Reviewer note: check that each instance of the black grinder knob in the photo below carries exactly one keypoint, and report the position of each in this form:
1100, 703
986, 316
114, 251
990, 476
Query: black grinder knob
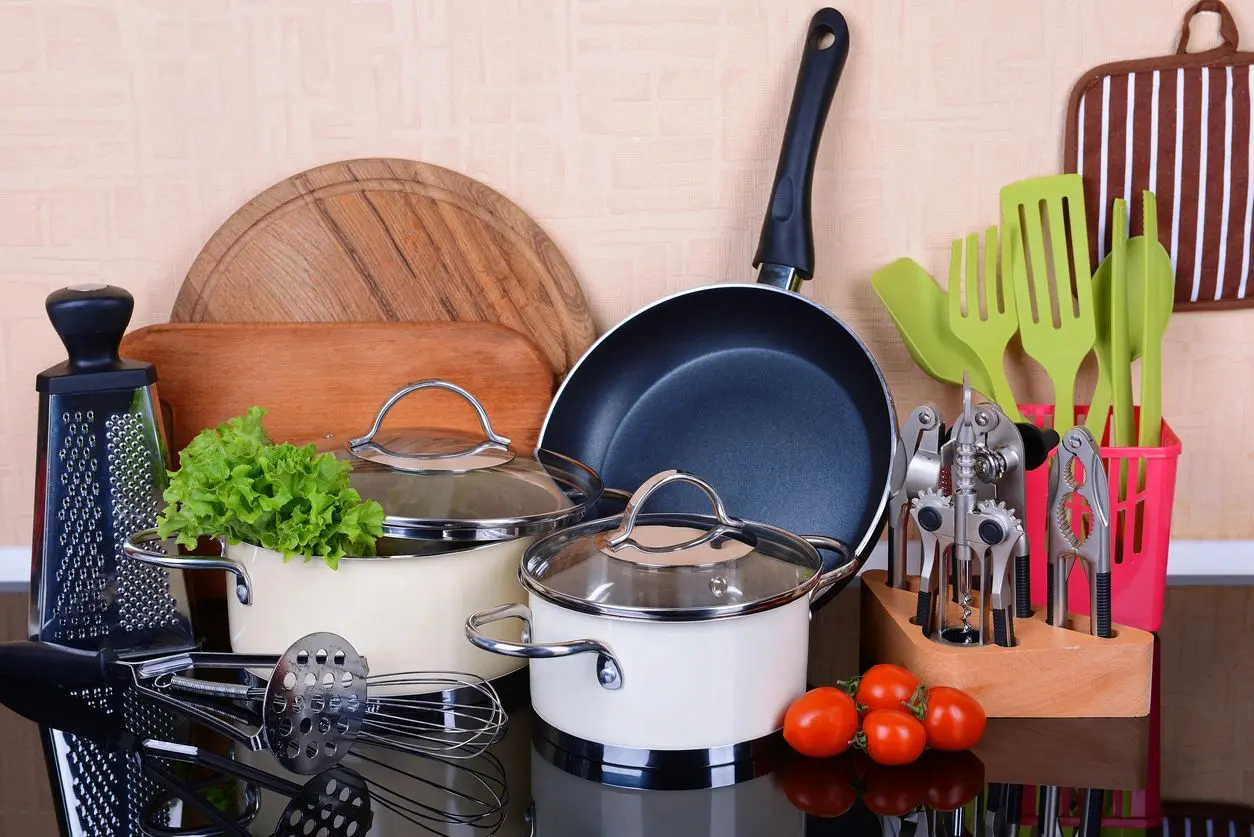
1037, 444
90, 320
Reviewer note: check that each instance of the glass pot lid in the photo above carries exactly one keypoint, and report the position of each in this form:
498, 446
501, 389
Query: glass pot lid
448, 485
677, 567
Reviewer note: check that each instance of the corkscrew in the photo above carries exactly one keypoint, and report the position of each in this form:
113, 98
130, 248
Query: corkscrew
972, 534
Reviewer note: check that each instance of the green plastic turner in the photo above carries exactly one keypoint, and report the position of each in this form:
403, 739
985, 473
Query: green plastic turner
1122, 417
986, 331
1155, 314
1056, 325
917, 307
1149, 301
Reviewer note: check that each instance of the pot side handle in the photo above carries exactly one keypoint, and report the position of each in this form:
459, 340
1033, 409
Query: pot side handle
845, 570
138, 546
609, 669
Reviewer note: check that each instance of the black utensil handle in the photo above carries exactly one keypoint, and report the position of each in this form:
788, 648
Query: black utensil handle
1003, 633
1050, 584
1094, 801
923, 612
1102, 584
44, 662
787, 233
1023, 587
1037, 444
1014, 805
90, 320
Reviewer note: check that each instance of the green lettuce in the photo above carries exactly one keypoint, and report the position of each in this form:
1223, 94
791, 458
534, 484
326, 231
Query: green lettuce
233, 481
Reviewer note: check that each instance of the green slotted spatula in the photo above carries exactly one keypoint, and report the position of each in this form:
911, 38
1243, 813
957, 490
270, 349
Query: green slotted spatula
986, 330
1052, 280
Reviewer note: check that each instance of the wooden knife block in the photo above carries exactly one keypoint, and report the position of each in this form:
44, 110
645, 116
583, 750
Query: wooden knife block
1051, 672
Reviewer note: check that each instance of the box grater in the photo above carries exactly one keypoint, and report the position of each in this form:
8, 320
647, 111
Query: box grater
99, 477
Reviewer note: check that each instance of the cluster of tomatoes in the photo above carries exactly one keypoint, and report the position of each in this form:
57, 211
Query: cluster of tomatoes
888, 713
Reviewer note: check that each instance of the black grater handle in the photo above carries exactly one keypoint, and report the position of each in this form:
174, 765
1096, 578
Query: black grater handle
90, 320
1023, 587
1102, 584
44, 662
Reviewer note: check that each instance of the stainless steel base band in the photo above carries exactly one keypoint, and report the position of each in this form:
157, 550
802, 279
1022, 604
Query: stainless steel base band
629, 767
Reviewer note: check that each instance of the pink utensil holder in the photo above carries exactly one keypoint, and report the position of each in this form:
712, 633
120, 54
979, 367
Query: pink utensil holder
1140, 526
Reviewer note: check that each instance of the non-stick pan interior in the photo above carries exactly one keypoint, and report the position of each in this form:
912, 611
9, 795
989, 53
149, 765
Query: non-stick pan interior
760, 392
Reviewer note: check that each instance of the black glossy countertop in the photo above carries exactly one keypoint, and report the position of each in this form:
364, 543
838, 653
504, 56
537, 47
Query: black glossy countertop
1195, 745
523, 786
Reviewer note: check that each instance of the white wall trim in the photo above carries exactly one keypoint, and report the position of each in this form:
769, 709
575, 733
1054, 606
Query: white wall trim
1189, 562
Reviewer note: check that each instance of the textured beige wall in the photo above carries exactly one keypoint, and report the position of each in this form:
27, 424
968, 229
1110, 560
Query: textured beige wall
641, 133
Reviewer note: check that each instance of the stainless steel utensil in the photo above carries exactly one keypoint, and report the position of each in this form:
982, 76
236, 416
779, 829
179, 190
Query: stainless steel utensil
314, 706
917, 467
1069, 538
987, 458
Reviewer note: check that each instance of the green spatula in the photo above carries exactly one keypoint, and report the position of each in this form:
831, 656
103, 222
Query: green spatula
1056, 322
1154, 315
986, 330
917, 307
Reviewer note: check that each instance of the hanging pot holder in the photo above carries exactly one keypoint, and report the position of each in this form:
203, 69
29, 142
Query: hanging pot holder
1178, 125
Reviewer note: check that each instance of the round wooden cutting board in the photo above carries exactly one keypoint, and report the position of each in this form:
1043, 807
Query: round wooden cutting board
387, 239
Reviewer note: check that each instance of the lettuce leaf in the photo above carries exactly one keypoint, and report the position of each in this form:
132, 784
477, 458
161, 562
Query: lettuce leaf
233, 481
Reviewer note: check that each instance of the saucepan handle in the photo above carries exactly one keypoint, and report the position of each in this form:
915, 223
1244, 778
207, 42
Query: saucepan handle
609, 669
139, 547
843, 571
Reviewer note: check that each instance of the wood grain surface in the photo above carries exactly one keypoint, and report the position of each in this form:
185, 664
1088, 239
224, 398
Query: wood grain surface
317, 378
388, 239
1050, 673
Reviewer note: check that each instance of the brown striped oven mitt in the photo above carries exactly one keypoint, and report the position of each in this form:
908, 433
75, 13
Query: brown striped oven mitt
1178, 125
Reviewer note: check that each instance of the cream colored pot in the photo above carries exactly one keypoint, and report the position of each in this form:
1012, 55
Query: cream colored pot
655, 633
402, 612
460, 512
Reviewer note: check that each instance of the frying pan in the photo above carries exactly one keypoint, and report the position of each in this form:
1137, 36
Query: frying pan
760, 391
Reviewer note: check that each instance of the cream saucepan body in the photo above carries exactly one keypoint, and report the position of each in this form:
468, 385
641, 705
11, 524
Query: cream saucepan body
460, 511
661, 632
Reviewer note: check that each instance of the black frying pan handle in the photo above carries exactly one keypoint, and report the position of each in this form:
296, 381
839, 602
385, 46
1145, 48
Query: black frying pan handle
787, 233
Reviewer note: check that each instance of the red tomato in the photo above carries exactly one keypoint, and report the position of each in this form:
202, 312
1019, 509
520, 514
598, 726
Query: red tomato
821, 723
951, 779
893, 791
820, 787
952, 718
886, 686
892, 737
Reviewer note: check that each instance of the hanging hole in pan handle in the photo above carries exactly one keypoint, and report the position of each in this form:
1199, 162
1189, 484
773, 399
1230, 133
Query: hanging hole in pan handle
490, 435
139, 547
621, 537
1227, 27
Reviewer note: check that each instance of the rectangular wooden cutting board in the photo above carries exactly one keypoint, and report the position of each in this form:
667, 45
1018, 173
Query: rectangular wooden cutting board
318, 378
